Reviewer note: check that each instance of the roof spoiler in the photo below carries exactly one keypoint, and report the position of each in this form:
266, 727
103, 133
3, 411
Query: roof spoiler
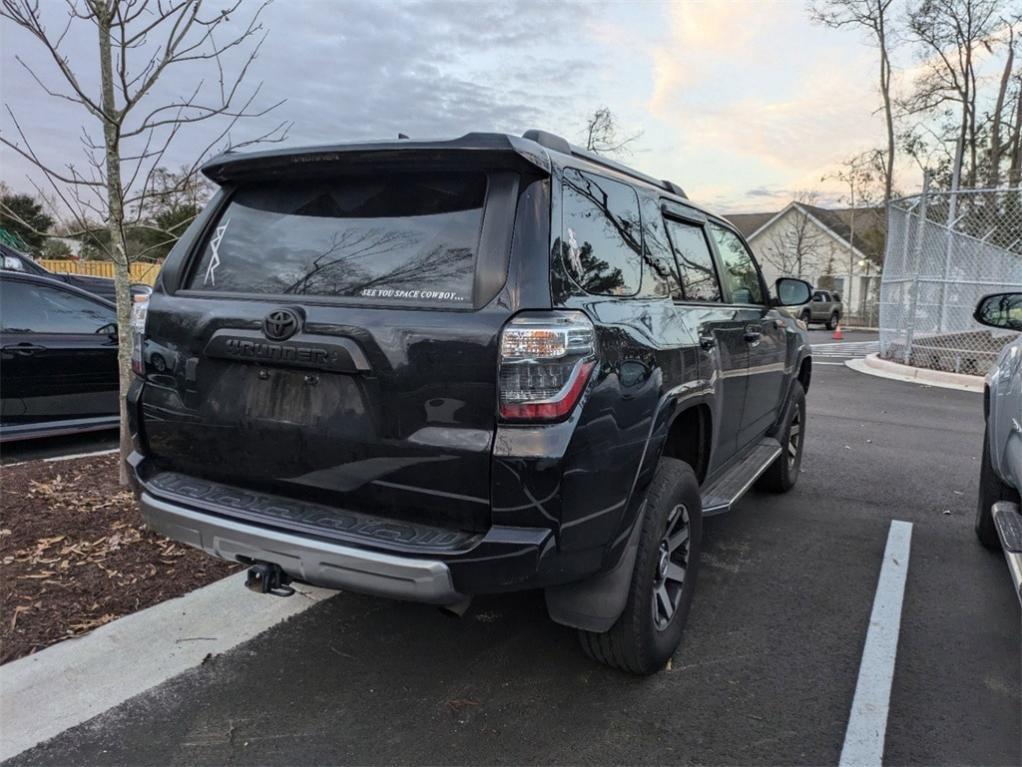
494, 151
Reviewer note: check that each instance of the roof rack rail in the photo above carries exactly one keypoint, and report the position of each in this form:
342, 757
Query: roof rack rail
670, 186
558, 144
549, 140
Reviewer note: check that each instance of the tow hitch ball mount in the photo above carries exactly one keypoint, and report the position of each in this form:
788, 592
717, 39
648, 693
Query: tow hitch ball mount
268, 578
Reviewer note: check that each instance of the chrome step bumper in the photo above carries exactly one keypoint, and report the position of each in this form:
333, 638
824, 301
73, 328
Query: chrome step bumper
311, 560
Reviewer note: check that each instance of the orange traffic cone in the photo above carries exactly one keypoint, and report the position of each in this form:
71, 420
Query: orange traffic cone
837, 333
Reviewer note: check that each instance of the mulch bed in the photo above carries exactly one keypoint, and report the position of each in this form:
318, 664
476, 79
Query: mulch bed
75, 554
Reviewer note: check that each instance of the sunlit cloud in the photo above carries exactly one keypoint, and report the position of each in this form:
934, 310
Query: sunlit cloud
731, 97
700, 35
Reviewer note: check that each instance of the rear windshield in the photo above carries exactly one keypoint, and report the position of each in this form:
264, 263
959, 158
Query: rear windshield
408, 238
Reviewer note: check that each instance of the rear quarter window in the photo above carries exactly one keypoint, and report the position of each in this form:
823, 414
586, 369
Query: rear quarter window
660, 276
602, 238
699, 279
400, 238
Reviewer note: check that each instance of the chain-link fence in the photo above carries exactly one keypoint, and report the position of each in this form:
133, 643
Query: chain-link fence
944, 252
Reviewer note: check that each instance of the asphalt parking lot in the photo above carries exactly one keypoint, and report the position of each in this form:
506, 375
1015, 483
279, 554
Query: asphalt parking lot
765, 674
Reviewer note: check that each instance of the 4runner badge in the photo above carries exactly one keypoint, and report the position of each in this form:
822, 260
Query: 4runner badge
281, 324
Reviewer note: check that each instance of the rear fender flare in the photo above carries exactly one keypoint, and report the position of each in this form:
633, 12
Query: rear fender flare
595, 604
677, 401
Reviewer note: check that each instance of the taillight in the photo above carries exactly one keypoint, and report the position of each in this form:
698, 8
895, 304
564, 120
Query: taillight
139, 311
545, 362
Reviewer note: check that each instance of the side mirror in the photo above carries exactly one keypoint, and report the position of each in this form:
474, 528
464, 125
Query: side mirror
1000, 310
792, 292
110, 329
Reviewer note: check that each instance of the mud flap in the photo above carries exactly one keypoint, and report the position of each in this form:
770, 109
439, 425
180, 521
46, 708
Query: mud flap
596, 603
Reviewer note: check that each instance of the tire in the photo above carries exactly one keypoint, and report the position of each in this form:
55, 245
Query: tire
649, 630
783, 472
807, 317
991, 490
832, 322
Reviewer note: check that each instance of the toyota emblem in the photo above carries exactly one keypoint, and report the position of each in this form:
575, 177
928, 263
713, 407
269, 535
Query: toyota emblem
281, 324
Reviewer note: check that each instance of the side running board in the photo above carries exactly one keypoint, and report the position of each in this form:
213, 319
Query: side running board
727, 489
1008, 521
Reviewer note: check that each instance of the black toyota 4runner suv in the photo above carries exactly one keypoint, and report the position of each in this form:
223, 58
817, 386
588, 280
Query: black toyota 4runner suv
429, 370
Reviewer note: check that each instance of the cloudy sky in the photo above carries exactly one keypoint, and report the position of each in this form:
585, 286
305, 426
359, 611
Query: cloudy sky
739, 102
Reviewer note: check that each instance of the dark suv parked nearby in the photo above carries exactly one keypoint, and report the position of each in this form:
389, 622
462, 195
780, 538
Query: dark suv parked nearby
12, 260
429, 370
58, 359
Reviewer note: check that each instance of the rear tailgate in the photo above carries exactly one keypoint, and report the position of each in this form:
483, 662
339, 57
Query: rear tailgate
329, 342
397, 419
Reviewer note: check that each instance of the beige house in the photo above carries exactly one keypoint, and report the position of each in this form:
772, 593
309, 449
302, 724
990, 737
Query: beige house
838, 250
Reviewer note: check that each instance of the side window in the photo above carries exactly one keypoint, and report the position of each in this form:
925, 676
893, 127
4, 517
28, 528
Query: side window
660, 276
13, 264
27, 308
699, 280
602, 234
819, 296
740, 271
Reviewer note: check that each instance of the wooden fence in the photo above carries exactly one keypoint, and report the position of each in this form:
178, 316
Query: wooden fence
139, 272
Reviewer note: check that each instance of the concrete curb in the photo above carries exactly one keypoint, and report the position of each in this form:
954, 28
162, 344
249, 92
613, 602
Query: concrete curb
874, 366
71, 682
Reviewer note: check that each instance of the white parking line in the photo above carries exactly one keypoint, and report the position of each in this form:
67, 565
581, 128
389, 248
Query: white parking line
71, 457
81, 455
867, 724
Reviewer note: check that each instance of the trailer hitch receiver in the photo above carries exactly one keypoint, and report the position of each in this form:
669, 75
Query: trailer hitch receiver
268, 578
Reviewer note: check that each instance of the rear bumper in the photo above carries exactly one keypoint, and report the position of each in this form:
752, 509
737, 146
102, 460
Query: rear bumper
307, 559
335, 548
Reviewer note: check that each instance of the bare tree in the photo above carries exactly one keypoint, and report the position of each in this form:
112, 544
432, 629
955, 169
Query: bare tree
602, 134
1015, 163
873, 16
128, 127
791, 246
860, 174
950, 33
997, 119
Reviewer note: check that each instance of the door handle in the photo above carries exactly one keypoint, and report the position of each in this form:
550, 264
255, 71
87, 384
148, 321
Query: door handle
23, 350
752, 336
707, 342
